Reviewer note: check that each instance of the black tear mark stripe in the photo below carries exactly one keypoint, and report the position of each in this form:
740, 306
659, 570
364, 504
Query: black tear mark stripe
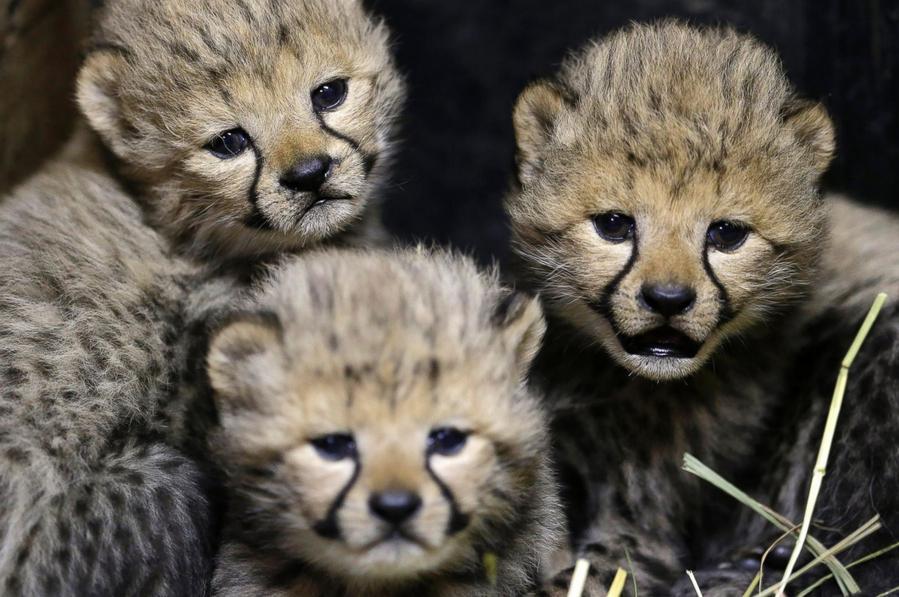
328, 527
458, 519
368, 160
725, 310
256, 219
603, 305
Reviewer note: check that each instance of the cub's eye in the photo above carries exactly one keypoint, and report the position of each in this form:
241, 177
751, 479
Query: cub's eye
335, 446
615, 227
446, 441
726, 236
329, 95
229, 144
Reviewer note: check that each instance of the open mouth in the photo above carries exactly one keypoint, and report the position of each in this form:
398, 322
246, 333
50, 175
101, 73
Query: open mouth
663, 342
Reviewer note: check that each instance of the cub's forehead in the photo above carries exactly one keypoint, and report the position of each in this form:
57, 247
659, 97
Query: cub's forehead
407, 310
399, 395
424, 383
223, 37
669, 80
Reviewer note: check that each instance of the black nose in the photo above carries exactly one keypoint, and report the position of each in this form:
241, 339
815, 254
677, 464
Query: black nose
394, 507
307, 175
667, 299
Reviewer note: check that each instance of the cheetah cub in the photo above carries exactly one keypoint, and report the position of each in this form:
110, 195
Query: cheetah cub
377, 434
215, 134
700, 295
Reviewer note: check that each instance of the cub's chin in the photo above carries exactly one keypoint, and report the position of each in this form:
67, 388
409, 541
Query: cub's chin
328, 216
390, 560
659, 368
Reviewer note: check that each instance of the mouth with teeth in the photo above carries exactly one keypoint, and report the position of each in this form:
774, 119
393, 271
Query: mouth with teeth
662, 342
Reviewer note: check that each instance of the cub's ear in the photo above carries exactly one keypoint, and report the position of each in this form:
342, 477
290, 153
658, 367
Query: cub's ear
245, 359
813, 129
97, 91
519, 317
534, 118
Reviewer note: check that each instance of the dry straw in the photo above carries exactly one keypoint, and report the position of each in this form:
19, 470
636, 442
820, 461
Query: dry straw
579, 578
617, 585
695, 584
836, 404
490, 567
838, 572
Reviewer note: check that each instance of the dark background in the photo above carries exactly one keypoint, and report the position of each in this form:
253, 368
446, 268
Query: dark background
466, 61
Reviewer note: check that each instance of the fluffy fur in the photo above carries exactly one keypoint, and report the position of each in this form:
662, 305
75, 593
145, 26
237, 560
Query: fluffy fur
158, 88
676, 134
104, 251
388, 350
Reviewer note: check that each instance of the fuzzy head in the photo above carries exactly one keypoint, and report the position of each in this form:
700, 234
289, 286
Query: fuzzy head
375, 422
251, 126
668, 194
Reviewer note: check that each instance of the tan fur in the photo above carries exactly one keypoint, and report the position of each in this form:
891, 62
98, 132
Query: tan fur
158, 88
679, 128
859, 257
639, 127
387, 348
104, 254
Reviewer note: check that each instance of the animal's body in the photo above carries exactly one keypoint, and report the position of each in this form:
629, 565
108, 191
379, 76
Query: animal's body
700, 294
218, 135
377, 433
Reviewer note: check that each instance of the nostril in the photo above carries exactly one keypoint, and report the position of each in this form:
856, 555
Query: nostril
394, 507
308, 175
667, 299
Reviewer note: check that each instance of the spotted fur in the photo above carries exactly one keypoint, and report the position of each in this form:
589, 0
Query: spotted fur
115, 253
385, 349
681, 128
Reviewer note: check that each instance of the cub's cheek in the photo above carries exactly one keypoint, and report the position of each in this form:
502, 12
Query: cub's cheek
319, 482
597, 261
466, 474
432, 522
234, 176
744, 272
356, 115
349, 179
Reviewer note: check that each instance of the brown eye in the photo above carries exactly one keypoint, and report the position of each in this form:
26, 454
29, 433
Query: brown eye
329, 96
335, 446
726, 236
229, 144
615, 227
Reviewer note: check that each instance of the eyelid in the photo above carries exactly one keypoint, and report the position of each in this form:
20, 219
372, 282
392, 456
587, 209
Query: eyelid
331, 79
